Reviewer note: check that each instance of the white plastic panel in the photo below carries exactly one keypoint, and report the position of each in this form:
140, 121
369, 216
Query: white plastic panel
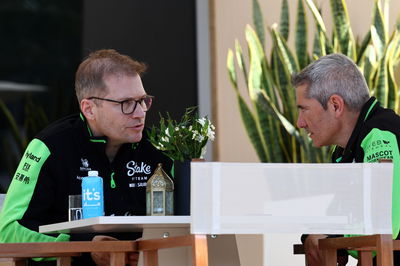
258, 198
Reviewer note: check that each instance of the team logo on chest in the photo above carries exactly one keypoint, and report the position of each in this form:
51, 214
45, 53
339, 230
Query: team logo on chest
85, 165
134, 167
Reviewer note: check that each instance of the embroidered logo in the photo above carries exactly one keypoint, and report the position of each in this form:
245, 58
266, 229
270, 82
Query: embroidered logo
134, 168
85, 165
85, 162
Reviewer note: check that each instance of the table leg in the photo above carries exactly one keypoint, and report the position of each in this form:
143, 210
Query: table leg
150, 258
200, 250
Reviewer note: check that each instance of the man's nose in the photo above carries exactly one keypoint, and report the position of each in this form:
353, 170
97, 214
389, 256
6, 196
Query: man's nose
140, 111
300, 122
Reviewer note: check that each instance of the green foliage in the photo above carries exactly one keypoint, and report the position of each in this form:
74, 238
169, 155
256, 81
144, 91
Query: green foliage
183, 140
34, 119
270, 117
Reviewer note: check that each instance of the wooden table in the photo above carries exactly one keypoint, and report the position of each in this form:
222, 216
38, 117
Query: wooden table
172, 232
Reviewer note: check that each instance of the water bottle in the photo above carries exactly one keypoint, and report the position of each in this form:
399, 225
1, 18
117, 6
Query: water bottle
92, 195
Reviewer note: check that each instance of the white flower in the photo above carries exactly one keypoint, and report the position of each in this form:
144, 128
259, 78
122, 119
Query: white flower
202, 121
160, 146
167, 132
195, 133
210, 134
200, 138
165, 139
177, 128
190, 128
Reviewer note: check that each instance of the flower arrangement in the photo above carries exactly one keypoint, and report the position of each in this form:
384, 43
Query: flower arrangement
183, 140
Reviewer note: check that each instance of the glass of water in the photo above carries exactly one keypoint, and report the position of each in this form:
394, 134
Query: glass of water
74, 207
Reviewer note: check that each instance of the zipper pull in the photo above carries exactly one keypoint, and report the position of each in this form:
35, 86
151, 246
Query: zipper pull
113, 185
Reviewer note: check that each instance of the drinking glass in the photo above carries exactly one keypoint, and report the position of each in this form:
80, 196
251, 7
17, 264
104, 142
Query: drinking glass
74, 207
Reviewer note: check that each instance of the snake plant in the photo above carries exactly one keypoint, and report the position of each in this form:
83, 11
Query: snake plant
270, 116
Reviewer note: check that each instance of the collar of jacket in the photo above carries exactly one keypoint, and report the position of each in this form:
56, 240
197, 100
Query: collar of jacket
89, 134
368, 109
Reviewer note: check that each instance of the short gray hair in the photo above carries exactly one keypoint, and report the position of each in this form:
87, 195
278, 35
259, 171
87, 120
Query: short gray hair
334, 74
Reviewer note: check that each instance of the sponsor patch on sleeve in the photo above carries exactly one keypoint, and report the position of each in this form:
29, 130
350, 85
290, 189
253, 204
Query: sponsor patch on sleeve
379, 145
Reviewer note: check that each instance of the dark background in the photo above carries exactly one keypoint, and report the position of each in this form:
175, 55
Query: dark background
43, 42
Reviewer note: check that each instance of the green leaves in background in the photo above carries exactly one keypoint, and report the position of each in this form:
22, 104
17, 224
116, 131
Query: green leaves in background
271, 115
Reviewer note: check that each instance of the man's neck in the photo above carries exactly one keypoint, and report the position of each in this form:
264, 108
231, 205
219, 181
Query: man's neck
348, 126
111, 150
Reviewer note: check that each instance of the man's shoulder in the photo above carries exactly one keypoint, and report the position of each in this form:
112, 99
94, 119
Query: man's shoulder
59, 129
384, 119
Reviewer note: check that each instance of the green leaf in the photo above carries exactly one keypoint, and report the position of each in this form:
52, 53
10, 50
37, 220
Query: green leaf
250, 125
256, 79
318, 48
256, 55
379, 36
320, 27
382, 87
370, 65
386, 16
268, 105
258, 21
301, 36
378, 43
21, 142
396, 49
284, 51
317, 15
284, 23
230, 64
259, 77
393, 101
342, 28
363, 47
240, 59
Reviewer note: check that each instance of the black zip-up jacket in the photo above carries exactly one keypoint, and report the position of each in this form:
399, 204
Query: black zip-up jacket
52, 168
375, 137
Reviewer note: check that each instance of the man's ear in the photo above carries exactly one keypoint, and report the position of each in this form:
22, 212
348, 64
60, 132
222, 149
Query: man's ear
87, 109
337, 104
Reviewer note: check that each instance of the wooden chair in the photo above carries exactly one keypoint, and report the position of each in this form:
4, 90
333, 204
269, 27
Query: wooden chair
198, 242
382, 244
365, 245
17, 253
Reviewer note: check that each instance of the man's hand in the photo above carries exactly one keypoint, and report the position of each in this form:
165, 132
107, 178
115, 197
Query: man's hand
103, 258
313, 254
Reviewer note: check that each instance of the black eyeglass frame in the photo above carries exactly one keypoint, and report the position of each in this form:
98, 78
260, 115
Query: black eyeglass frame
140, 101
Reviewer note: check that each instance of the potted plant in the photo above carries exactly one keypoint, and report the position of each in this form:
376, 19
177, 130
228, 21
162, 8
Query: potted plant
182, 141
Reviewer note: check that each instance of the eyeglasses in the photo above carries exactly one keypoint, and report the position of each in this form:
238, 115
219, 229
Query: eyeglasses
129, 106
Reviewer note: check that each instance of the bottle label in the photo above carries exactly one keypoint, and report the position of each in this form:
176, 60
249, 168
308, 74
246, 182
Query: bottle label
92, 197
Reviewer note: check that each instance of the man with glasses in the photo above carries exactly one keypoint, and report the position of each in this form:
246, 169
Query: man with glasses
107, 136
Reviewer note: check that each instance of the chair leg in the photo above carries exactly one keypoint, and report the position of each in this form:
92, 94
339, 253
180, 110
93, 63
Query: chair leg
365, 258
329, 256
64, 261
200, 250
117, 259
150, 257
384, 249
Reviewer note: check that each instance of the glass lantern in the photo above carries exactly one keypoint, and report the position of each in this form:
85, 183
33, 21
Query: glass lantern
160, 193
